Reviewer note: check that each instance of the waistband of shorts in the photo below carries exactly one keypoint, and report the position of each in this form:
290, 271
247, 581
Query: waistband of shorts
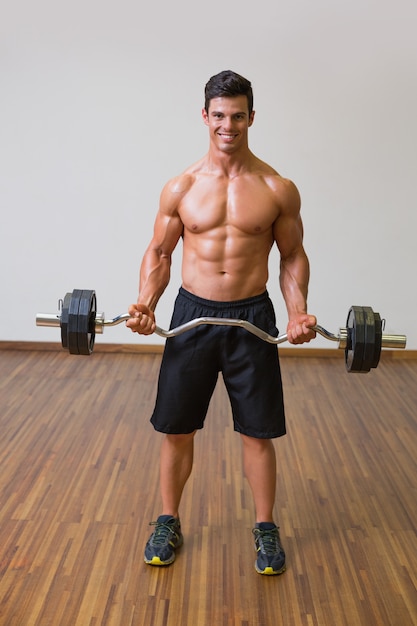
222, 305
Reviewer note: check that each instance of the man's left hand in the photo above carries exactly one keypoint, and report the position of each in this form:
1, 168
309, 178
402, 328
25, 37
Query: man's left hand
299, 328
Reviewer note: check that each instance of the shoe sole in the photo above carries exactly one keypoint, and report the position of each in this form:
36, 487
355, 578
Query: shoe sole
269, 571
155, 560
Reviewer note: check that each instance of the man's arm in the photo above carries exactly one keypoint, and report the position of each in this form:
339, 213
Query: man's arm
294, 267
156, 263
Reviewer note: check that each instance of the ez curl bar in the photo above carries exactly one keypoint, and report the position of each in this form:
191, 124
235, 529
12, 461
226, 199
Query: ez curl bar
362, 339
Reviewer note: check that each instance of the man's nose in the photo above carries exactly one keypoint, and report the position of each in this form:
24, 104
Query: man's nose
228, 123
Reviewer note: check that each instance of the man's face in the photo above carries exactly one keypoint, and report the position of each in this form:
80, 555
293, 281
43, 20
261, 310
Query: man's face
228, 121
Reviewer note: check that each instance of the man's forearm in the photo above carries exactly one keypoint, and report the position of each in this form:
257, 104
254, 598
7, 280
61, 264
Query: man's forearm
294, 279
154, 277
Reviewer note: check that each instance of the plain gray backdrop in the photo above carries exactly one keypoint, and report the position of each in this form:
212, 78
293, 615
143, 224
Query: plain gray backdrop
101, 104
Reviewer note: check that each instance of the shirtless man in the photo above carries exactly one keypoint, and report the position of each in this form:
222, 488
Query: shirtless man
229, 208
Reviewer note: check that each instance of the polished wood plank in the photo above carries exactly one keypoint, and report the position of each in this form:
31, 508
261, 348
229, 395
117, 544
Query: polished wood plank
79, 484
139, 348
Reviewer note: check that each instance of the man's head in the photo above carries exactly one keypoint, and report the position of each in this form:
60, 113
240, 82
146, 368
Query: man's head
228, 84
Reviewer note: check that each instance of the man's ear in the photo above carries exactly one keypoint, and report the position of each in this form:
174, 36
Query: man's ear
251, 118
205, 116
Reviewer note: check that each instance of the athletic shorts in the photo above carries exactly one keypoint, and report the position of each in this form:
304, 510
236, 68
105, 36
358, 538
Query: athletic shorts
250, 368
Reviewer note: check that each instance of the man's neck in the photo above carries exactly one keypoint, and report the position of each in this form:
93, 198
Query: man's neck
229, 164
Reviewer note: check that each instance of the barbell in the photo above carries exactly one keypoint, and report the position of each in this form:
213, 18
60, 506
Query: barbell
362, 339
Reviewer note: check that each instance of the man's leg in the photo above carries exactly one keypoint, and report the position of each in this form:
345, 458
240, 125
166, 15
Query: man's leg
259, 463
175, 468
176, 463
260, 469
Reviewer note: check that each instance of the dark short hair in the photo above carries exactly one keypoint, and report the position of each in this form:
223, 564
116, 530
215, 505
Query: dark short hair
228, 84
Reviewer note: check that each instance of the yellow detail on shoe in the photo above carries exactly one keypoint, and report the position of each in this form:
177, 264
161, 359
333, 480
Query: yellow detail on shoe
269, 571
156, 561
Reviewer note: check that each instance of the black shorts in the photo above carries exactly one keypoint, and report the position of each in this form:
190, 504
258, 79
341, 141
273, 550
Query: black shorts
250, 367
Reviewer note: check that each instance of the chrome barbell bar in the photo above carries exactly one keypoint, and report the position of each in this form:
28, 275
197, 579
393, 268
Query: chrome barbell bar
388, 340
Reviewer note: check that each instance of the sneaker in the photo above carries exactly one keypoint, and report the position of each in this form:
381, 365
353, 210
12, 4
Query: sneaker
165, 539
271, 556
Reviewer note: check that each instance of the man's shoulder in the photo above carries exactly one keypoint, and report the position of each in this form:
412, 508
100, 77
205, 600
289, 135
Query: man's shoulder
184, 181
283, 189
270, 174
281, 186
178, 185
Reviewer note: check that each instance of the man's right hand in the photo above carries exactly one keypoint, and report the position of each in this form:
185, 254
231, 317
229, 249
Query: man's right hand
142, 319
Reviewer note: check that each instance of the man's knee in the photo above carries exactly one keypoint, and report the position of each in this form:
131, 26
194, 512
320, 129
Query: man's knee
255, 442
180, 440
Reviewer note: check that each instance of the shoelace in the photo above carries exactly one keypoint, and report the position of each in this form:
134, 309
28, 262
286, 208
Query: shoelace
161, 533
268, 541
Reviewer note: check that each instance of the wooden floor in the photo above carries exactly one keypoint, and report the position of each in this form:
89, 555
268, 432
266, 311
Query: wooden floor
79, 484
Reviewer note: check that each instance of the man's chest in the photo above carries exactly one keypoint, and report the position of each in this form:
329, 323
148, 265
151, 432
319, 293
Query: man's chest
245, 203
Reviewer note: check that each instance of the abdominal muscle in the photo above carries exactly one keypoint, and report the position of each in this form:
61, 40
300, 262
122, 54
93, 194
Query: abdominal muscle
225, 267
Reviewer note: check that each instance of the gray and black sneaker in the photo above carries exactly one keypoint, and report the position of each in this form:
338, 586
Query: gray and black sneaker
165, 539
271, 556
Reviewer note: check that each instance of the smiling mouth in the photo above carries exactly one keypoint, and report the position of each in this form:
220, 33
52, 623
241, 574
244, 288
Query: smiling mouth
227, 137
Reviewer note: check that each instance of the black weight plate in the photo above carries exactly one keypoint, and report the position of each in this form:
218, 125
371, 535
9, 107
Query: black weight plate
92, 322
64, 320
355, 325
86, 321
378, 340
73, 311
369, 345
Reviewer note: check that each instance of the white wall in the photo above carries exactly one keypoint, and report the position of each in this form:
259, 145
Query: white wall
100, 105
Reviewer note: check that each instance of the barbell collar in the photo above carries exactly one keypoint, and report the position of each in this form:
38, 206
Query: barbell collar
343, 338
99, 323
